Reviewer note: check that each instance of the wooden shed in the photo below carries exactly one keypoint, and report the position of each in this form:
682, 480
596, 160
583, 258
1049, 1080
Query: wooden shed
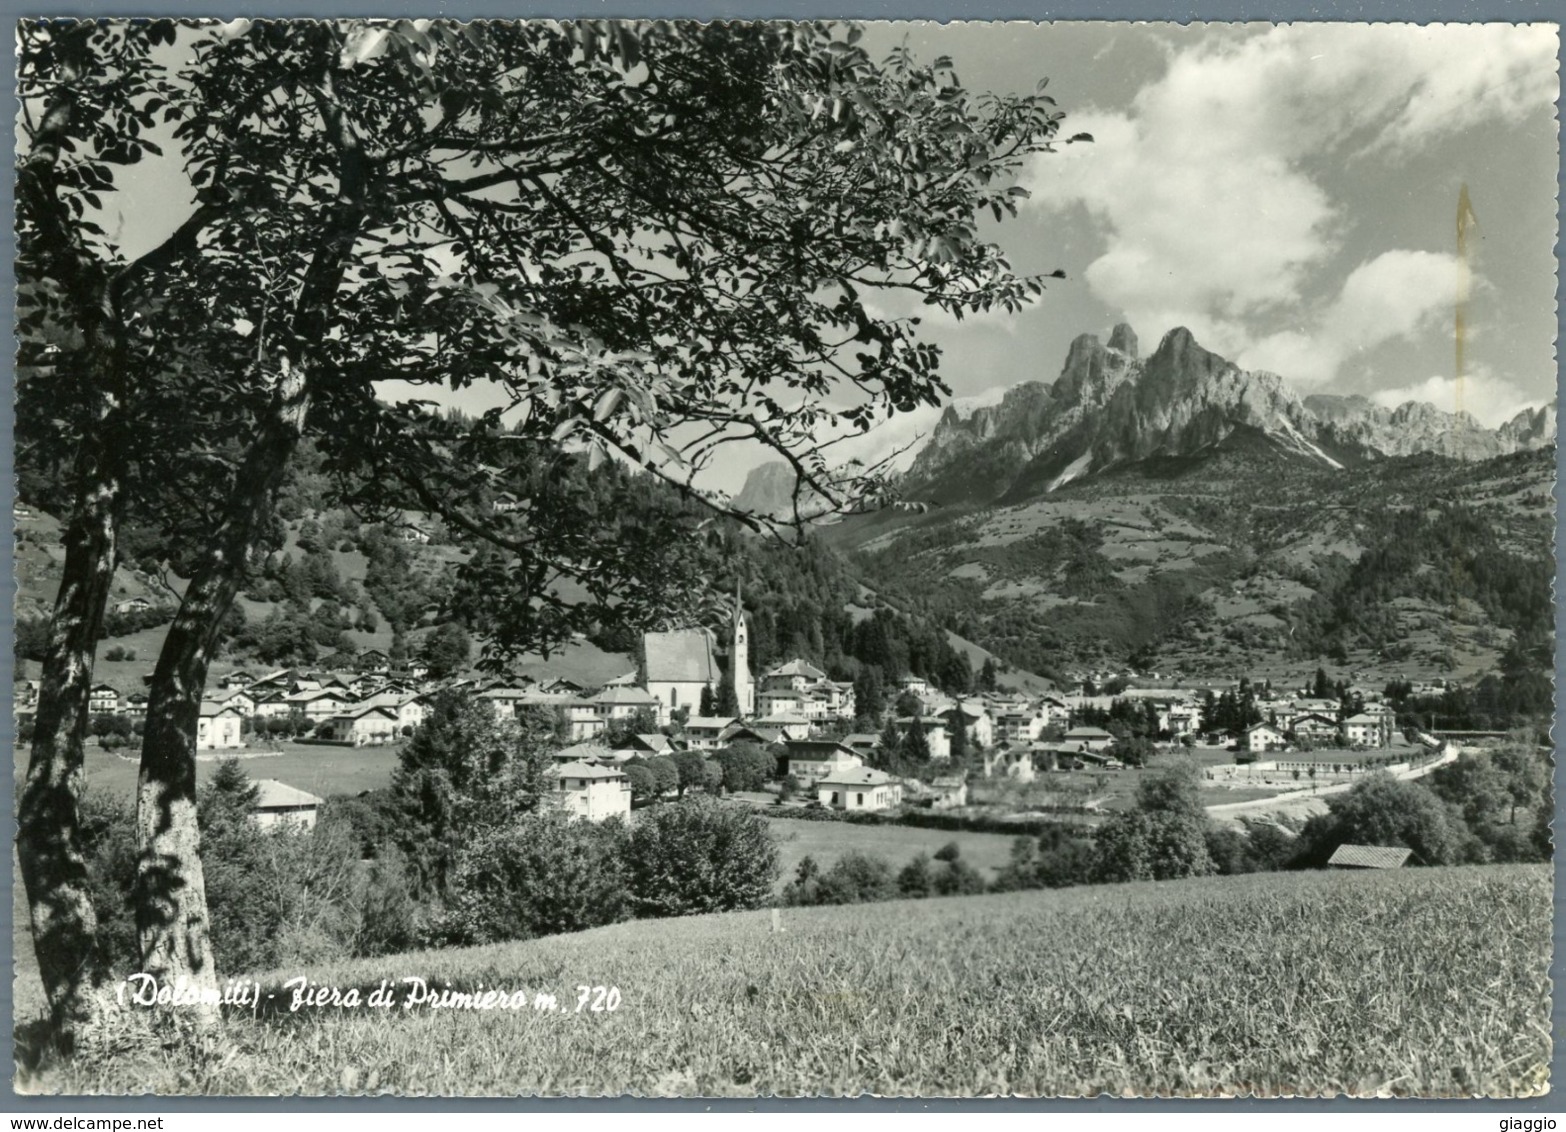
1369, 857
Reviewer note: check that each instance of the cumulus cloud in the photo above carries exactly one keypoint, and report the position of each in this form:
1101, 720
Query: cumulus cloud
1208, 189
1490, 400
1389, 297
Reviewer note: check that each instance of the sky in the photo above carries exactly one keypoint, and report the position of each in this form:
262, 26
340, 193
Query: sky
1287, 192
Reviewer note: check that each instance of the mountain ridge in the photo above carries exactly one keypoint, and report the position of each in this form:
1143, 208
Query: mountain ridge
1110, 407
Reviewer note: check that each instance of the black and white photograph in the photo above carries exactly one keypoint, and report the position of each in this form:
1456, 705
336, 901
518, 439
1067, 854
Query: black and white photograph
783, 559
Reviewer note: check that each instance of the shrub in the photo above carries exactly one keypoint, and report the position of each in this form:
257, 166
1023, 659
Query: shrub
958, 878
914, 881
1163, 838
856, 878
1381, 810
745, 766
541, 874
108, 838
274, 897
699, 856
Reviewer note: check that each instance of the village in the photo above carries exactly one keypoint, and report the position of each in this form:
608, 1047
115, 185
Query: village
929, 750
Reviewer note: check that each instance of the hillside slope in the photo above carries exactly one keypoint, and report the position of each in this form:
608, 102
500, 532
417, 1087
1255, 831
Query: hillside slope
1213, 563
1297, 984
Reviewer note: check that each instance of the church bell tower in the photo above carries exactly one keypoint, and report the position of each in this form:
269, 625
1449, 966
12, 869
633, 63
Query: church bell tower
739, 659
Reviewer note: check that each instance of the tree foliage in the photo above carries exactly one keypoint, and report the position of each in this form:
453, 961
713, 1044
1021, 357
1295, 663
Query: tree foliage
699, 856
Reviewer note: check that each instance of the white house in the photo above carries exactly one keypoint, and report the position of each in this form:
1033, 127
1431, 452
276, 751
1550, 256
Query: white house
103, 698
1365, 730
362, 727
1019, 725
1089, 738
981, 729
836, 698
792, 726
411, 710
810, 760
680, 665
1314, 726
270, 705
935, 733
278, 803
780, 701
1181, 718
623, 702
318, 705
705, 732
861, 788
797, 675
504, 700
1261, 737
594, 792
217, 727
238, 699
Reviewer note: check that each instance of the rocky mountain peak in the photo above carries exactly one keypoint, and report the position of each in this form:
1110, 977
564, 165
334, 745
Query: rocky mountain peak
1123, 339
1092, 373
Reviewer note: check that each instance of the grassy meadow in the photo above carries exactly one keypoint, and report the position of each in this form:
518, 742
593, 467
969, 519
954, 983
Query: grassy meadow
320, 769
1430, 982
827, 841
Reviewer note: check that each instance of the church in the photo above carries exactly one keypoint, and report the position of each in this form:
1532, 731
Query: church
680, 663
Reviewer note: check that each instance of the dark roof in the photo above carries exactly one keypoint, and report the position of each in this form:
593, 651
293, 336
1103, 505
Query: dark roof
816, 748
1369, 857
683, 656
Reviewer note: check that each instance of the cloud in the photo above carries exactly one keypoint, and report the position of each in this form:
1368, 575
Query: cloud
1490, 400
1392, 296
1209, 188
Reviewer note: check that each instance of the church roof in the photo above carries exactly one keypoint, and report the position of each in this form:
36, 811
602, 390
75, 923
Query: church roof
683, 656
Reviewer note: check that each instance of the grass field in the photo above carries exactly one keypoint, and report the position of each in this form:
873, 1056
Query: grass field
1420, 982
826, 841
321, 770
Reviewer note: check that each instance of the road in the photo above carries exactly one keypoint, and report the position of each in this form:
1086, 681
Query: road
1305, 803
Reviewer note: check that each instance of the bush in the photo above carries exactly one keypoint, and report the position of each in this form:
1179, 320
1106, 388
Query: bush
276, 896
958, 878
1382, 810
856, 878
108, 838
542, 874
914, 881
699, 856
120, 652
745, 766
1163, 838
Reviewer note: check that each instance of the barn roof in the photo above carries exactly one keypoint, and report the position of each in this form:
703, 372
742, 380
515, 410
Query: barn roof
272, 794
683, 656
1369, 856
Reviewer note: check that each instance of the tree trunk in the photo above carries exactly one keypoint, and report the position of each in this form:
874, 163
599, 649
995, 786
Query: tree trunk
171, 908
48, 841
